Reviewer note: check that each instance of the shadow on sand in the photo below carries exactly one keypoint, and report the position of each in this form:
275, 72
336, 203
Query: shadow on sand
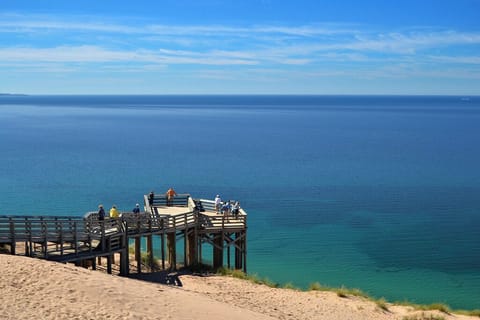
166, 277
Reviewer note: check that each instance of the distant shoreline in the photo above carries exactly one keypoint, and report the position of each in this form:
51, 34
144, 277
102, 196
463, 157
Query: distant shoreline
13, 94
461, 96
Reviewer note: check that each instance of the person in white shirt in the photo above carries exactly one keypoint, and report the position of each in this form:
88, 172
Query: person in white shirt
218, 203
236, 208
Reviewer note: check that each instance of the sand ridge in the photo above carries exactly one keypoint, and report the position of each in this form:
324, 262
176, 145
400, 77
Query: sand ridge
39, 289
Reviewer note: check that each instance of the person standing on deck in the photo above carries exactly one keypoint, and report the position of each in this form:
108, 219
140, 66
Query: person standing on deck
236, 208
170, 194
136, 210
218, 203
101, 213
226, 208
114, 212
151, 195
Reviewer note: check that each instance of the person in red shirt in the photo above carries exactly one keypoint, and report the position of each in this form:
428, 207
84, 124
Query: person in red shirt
170, 194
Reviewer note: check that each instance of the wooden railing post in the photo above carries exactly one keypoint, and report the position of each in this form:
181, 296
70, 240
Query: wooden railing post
138, 253
28, 229
44, 226
125, 260
13, 243
102, 237
59, 228
109, 256
195, 236
75, 237
245, 251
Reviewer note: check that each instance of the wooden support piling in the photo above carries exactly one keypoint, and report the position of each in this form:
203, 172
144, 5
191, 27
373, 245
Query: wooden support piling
218, 251
150, 251
172, 250
199, 243
244, 247
109, 264
191, 245
238, 251
138, 254
162, 244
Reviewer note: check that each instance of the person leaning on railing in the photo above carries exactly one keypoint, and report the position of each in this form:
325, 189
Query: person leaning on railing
136, 210
236, 208
226, 208
170, 194
101, 213
218, 203
151, 195
114, 212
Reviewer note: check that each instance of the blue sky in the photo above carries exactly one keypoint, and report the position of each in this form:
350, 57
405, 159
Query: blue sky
240, 47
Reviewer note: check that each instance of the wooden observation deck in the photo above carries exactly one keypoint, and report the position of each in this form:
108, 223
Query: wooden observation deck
85, 240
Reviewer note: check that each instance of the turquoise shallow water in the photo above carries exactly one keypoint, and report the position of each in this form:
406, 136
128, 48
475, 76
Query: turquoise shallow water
378, 193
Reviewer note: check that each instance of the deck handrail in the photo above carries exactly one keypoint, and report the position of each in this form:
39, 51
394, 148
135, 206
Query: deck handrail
27, 227
62, 237
181, 199
24, 228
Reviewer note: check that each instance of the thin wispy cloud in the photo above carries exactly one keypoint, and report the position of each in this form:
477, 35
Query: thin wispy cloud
475, 60
87, 44
307, 39
37, 23
86, 54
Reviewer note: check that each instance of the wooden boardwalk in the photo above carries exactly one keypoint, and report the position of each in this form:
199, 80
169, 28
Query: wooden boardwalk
86, 240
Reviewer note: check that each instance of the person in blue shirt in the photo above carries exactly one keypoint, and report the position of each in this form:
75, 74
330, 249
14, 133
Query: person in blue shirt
136, 210
101, 213
226, 208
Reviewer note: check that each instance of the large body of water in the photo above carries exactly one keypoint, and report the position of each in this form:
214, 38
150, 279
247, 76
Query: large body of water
376, 193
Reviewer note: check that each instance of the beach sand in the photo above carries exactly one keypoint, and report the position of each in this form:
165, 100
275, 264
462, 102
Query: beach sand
38, 289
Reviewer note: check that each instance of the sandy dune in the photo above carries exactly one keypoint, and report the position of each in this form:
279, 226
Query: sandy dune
37, 289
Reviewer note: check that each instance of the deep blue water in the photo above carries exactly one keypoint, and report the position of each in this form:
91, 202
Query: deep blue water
381, 193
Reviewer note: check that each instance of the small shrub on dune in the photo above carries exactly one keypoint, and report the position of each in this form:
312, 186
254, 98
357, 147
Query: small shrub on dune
239, 274
435, 306
270, 283
316, 286
290, 286
345, 292
424, 316
441, 307
475, 313
223, 271
342, 292
382, 304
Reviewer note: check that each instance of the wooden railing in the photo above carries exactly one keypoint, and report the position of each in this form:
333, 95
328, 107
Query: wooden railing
83, 240
44, 235
210, 220
148, 223
160, 200
23, 228
145, 223
224, 222
51, 237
